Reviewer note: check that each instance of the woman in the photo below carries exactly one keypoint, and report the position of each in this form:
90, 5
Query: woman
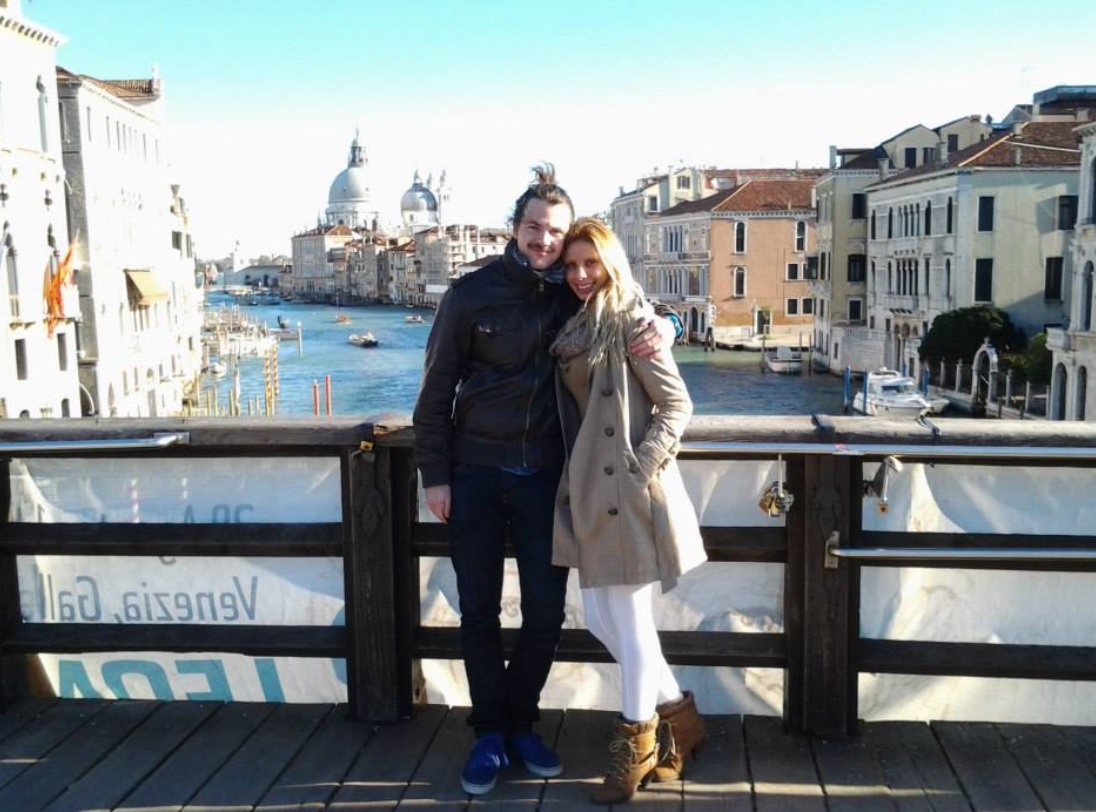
623, 518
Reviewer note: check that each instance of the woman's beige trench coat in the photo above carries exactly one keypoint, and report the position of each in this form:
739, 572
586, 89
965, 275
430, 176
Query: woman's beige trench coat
622, 514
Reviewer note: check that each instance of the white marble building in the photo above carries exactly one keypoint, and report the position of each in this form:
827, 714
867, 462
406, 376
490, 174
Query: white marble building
139, 336
38, 370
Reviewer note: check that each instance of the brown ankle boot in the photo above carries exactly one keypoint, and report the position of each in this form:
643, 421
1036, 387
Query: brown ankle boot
634, 750
683, 732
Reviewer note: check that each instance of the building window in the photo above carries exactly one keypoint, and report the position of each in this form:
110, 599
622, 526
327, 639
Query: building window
800, 236
857, 267
856, 309
985, 213
873, 225
808, 307
739, 282
890, 223
983, 281
1067, 212
684, 182
953, 142
859, 205
910, 157
43, 111
1052, 289
950, 219
740, 237
652, 204
810, 271
62, 352
791, 307
1086, 298
927, 154
21, 359
928, 219
793, 272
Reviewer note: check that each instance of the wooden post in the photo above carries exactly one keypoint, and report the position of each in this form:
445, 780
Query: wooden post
372, 682
822, 601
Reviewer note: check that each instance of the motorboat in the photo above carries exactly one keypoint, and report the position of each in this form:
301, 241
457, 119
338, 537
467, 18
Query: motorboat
366, 339
414, 318
218, 368
342, 318
889, 393
784, 360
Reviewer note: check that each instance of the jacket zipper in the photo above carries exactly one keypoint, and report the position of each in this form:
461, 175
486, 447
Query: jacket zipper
536, 382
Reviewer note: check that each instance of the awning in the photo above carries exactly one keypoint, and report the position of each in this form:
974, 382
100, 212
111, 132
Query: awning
144, 289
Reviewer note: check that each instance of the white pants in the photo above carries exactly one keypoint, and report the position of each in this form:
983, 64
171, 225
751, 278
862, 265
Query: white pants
622, 618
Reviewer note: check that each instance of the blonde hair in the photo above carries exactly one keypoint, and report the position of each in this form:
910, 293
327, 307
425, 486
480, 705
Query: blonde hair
610, 308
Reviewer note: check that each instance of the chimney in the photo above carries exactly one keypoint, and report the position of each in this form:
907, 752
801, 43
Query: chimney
883, 168
833, 156
941, 154
1016, 156
1017, 127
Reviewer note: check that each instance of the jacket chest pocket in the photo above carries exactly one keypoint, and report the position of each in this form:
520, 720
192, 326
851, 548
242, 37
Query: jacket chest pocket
499, 339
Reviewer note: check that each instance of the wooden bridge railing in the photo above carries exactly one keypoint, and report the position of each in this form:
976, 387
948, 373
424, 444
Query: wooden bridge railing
822, 546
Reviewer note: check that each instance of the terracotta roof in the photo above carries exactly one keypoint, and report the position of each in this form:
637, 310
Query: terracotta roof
704, 204
769, 195
1040, 144
128, 89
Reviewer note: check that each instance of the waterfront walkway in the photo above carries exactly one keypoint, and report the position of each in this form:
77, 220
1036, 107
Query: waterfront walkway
95, 755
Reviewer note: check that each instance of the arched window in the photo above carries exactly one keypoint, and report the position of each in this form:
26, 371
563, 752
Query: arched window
947, 278
950, 218
873, 224
890, 224
43, 109
1086, 298
740, 237
928, 219
1081, 390
800, 236
739, 282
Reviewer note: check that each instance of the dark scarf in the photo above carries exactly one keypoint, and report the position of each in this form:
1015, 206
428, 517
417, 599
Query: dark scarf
553, 274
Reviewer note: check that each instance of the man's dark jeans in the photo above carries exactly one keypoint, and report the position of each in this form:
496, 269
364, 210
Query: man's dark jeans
486, 503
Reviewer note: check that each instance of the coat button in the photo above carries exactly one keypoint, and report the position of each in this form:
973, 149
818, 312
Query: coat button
606, 391
613, 511
609, 469
609, 431
633, 467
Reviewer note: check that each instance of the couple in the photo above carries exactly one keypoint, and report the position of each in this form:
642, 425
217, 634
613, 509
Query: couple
551, 409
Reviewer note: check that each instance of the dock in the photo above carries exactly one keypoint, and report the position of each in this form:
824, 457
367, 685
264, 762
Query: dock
83, 755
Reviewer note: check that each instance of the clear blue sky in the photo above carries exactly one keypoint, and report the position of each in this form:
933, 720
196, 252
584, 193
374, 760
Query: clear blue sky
263, 98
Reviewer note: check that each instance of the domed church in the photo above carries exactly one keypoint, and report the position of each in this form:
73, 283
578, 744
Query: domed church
421, 205
348, 202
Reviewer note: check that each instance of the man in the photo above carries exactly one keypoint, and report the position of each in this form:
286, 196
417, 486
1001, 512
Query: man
490, 452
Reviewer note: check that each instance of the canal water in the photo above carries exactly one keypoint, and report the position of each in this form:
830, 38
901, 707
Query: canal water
385, 378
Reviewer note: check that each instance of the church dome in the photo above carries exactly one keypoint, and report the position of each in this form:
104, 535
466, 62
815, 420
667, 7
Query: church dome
350, 185
418, 199
348, 200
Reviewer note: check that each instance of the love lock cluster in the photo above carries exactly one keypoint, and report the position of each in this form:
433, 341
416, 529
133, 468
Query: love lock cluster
775, 501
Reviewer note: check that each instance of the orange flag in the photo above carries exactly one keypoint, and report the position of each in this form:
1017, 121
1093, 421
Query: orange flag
51, 289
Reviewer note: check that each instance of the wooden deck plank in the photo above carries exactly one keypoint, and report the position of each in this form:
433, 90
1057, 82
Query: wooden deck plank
253, 769
37, 786
380, 774
123, 768
32, 742
914, 767
517, 790
852, 776
1052, 766
436, 782
314, 775
20, 713
782, 768
719, 779
187, 769
988, 772
583, 745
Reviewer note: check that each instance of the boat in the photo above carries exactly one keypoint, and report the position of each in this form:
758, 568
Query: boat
217, 368
283, 322
414, 318
342, 318
366, 339
785, 360
889, 393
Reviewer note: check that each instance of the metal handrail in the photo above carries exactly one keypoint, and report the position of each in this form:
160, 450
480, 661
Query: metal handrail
901, 450
162, 440
963, 553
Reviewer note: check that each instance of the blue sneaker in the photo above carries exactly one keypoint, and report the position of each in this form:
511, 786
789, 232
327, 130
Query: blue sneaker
481, 770
537, 757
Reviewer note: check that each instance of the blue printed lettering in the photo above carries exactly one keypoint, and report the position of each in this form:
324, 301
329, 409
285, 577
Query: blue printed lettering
114, 674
